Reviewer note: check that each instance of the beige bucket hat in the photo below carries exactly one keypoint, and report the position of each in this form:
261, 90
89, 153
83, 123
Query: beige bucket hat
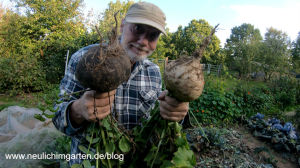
147, 13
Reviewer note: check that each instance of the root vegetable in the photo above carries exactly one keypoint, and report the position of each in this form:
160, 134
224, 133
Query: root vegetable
166, 145
103, 68
184, 77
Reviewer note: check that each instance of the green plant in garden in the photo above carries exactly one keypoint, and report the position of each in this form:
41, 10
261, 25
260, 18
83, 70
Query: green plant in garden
103, 137
45, 101
214, 107
286, 91
297, 118
164, 146
255, 99
61, 145
225, 100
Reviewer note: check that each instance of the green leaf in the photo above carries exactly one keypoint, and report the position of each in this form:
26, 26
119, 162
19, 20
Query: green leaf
86, 164
177, 127
83, 149
76, 166
167, 164
221, 103
214, 102
180, 141
92, 141
110, 134
184, 158
39, 117
95, 140
105, 123
110, 147
124, 145
150, 155
49, 115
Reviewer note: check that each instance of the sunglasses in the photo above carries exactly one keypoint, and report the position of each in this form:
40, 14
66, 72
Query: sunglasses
151, 33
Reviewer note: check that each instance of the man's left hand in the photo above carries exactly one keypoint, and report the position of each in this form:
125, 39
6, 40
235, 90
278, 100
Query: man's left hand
171, 109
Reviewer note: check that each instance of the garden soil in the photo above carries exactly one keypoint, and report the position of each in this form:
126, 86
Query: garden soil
279, 160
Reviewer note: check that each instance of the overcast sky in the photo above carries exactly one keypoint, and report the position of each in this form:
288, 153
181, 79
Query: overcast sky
281, 14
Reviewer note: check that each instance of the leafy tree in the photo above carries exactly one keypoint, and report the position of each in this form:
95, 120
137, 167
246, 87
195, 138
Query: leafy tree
164, 47
19, 65
1, 10
275, 54
107, 20
54, 26
40, 36
242, 49
188, 39
296, 54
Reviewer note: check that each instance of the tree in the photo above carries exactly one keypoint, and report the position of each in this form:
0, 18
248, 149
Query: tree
19, 65
34, 42
1, 11
296, 54
275, 54
191, 37
242, 49
54, 27
163, 47
107, 20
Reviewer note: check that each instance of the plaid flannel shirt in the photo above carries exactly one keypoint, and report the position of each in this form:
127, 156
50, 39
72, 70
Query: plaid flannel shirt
133, 99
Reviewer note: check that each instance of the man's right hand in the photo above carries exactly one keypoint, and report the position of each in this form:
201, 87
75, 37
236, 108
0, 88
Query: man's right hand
83, 109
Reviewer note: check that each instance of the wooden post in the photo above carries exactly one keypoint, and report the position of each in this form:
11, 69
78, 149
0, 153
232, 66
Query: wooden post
208, 68
67, 59
219, 69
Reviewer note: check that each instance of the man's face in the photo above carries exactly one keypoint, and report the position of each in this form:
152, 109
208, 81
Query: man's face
138, 40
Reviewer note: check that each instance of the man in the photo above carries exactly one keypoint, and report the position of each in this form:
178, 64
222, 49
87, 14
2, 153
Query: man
134, 98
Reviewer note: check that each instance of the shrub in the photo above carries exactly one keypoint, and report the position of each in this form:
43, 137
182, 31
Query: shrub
255, 99
286, 91
226, 101
21, 74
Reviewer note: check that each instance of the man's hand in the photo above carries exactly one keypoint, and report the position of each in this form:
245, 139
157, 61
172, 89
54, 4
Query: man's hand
84, 108
171, 109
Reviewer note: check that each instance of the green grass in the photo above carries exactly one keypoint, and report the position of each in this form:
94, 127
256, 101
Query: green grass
6, 101
44, 100
229, 83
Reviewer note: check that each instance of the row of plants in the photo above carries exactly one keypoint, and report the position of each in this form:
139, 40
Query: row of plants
225, 101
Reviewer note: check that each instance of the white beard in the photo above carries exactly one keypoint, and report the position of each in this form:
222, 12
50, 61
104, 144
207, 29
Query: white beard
132, 55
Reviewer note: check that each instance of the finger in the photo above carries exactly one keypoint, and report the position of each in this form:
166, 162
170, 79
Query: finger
104, 101
104, 109
162, 95
90, 116
171, 118
168, 114
103, 112
106, 94
90, 93
172, 101
168, 107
